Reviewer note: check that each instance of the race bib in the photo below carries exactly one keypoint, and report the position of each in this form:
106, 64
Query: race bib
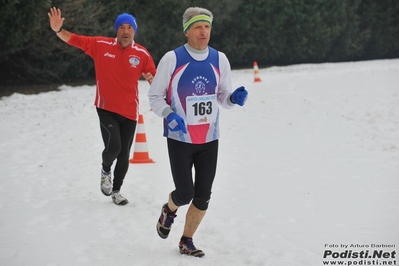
201, 109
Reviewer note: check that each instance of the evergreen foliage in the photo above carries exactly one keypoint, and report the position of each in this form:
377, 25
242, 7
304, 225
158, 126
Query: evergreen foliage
272, 32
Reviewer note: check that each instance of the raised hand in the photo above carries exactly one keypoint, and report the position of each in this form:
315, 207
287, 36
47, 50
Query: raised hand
56, 21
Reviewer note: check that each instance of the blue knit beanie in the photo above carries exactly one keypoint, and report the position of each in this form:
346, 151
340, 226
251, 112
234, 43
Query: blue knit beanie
125, 18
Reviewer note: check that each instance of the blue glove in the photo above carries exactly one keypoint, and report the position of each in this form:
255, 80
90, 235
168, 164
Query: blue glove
176, 123
239, 96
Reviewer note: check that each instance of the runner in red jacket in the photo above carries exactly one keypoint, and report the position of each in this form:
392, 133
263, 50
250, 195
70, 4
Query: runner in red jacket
119, 63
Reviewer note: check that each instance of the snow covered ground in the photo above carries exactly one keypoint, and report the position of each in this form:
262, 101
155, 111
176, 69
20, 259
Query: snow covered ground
310, 164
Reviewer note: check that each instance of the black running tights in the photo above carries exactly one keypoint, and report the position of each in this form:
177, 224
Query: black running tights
183, 157
117, 133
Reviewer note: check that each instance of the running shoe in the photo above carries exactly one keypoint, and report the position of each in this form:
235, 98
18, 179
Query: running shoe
118, 199
165, 221
106, 183
186, 246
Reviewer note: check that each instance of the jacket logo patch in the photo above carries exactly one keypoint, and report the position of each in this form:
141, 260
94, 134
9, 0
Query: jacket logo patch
134, 61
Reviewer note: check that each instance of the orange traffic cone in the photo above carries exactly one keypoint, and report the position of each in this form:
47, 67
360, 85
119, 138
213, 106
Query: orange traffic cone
256, 72
140, 154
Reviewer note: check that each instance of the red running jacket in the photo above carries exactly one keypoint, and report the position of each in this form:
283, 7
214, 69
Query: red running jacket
117, 72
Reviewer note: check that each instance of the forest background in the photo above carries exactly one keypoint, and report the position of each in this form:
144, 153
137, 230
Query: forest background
271, 32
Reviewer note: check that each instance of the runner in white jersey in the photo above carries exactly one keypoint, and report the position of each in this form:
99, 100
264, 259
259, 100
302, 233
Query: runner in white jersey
191, 82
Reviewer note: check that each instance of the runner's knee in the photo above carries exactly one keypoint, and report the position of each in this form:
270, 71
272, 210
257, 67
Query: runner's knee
202, 203
181, 198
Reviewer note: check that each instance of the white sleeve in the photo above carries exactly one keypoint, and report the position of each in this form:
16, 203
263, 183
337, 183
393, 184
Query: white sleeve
225, 87
159, 86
